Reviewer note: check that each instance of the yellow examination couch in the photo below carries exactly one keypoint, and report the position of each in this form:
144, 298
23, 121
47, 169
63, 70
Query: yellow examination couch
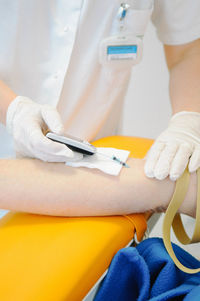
46, 258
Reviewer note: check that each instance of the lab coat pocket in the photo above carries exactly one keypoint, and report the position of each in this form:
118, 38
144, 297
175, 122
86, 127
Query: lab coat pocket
137, 20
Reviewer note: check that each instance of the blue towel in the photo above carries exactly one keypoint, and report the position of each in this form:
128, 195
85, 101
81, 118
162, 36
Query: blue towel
147, 272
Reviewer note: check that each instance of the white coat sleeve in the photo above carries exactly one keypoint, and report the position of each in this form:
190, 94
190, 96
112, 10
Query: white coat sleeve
177, 21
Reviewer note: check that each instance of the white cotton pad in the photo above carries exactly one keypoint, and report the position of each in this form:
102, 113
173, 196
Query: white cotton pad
101, 162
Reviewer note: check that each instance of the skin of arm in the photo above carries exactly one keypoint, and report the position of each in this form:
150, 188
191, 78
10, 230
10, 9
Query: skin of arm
30, 185
6, 97
184, 66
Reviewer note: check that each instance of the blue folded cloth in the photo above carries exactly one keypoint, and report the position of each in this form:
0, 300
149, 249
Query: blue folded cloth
147, 272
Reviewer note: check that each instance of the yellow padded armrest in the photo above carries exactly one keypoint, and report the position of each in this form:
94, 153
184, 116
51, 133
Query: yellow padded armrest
54, 258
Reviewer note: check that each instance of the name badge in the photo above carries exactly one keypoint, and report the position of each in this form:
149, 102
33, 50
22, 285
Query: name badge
123, 50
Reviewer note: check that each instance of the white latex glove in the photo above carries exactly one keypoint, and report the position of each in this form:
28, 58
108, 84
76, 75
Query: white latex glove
26, 121
178, 144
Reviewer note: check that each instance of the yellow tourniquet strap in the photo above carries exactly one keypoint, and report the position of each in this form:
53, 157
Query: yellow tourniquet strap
172, 218
178, 225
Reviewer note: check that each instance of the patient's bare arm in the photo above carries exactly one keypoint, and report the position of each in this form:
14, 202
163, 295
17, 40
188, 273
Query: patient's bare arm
6, 97
56, 189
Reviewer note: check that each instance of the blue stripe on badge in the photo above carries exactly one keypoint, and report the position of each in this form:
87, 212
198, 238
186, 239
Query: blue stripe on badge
122, 49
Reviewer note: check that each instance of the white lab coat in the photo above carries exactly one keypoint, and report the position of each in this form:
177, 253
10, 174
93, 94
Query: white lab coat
49, 52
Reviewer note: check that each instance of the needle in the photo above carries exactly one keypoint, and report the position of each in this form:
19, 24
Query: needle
114, 158
120, 162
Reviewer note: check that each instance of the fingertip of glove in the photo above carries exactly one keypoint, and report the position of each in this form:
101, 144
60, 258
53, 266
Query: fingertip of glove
75, 157
160, 176
192, 168
68, 155
149, 174
59, 130
174, 177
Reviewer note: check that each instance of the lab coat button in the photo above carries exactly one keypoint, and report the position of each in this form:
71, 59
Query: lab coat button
66, 29
55, 75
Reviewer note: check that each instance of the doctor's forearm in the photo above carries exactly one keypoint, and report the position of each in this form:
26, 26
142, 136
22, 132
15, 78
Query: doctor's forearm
55, 189
6, 97
184, 66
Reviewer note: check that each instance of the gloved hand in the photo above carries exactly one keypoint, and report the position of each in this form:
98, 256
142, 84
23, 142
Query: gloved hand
26, 121
178, 144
